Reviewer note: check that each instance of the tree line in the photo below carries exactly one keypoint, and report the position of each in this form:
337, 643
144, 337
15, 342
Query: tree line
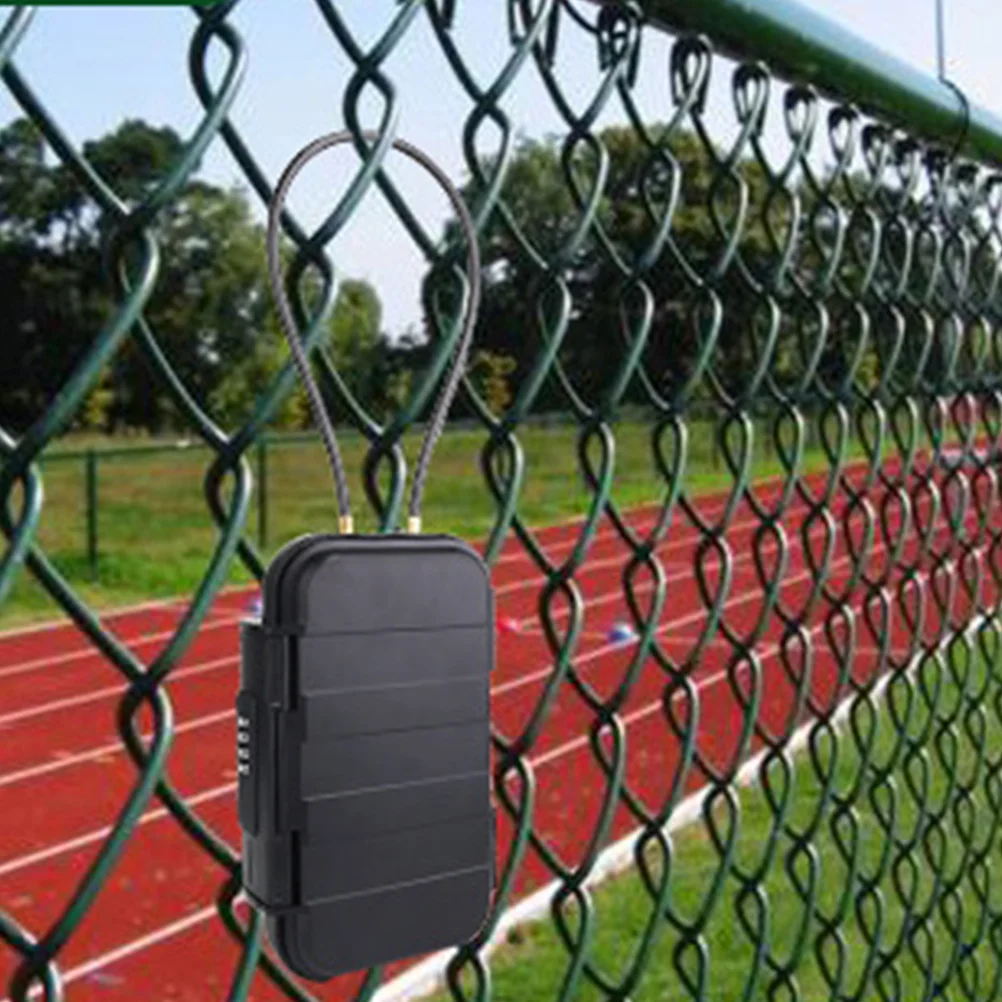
211, 309
212, 314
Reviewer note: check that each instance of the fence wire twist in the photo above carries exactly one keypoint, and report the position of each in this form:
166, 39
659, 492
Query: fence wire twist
856, 279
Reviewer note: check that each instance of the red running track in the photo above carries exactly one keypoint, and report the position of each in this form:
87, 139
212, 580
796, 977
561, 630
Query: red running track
153, 932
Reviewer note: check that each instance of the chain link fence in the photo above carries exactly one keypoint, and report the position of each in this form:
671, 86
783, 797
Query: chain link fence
812, 275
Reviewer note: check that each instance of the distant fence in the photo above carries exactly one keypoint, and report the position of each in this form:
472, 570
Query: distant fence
93, 461
126, 461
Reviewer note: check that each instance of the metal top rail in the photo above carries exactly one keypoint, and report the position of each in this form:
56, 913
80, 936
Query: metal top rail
812, 49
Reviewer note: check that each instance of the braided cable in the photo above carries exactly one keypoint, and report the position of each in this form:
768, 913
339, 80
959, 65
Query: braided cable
300, 358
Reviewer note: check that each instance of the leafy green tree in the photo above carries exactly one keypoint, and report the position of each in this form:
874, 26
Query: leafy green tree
356, 338
639, 189
210, 311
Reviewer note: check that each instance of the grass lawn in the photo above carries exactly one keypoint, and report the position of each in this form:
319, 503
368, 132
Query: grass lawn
870, 943
156, 535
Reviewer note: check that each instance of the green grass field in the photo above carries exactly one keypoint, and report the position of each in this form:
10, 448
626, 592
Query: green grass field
533, 963
156, 534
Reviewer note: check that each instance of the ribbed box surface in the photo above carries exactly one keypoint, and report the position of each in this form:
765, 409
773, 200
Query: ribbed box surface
367, 691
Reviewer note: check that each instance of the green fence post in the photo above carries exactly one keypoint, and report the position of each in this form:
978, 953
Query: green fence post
262, 492
90, 487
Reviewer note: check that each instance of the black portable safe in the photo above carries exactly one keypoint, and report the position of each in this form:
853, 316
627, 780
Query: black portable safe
363, 750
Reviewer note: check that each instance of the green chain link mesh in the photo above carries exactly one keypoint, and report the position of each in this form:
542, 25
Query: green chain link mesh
859, 245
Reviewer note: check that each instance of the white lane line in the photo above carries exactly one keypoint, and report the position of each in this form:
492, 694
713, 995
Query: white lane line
89, 652
99, 834
766, 653
684, 567
498, 690
181, 601
714, 502
135, 946
29, 859
115, 613
112, 691
105, 751
199, 668
870, 651
220, 621
175, 928
602, 599
603, 637
521, 555
586, 658
116, 747
19, 668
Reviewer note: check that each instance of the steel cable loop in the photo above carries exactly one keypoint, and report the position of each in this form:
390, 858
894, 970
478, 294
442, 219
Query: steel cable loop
450, 386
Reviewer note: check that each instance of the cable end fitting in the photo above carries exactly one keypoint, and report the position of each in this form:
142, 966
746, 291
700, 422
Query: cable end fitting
414, 525
346, 525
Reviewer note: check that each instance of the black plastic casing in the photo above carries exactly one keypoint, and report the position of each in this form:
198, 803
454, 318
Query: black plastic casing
363, 744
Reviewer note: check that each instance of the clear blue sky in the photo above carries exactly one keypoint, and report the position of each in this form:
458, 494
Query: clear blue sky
96, 65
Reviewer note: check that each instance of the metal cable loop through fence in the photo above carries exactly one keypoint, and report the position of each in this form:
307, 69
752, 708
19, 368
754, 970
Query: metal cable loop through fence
300, 357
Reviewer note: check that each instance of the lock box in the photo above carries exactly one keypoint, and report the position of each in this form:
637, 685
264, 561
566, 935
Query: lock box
363, 750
